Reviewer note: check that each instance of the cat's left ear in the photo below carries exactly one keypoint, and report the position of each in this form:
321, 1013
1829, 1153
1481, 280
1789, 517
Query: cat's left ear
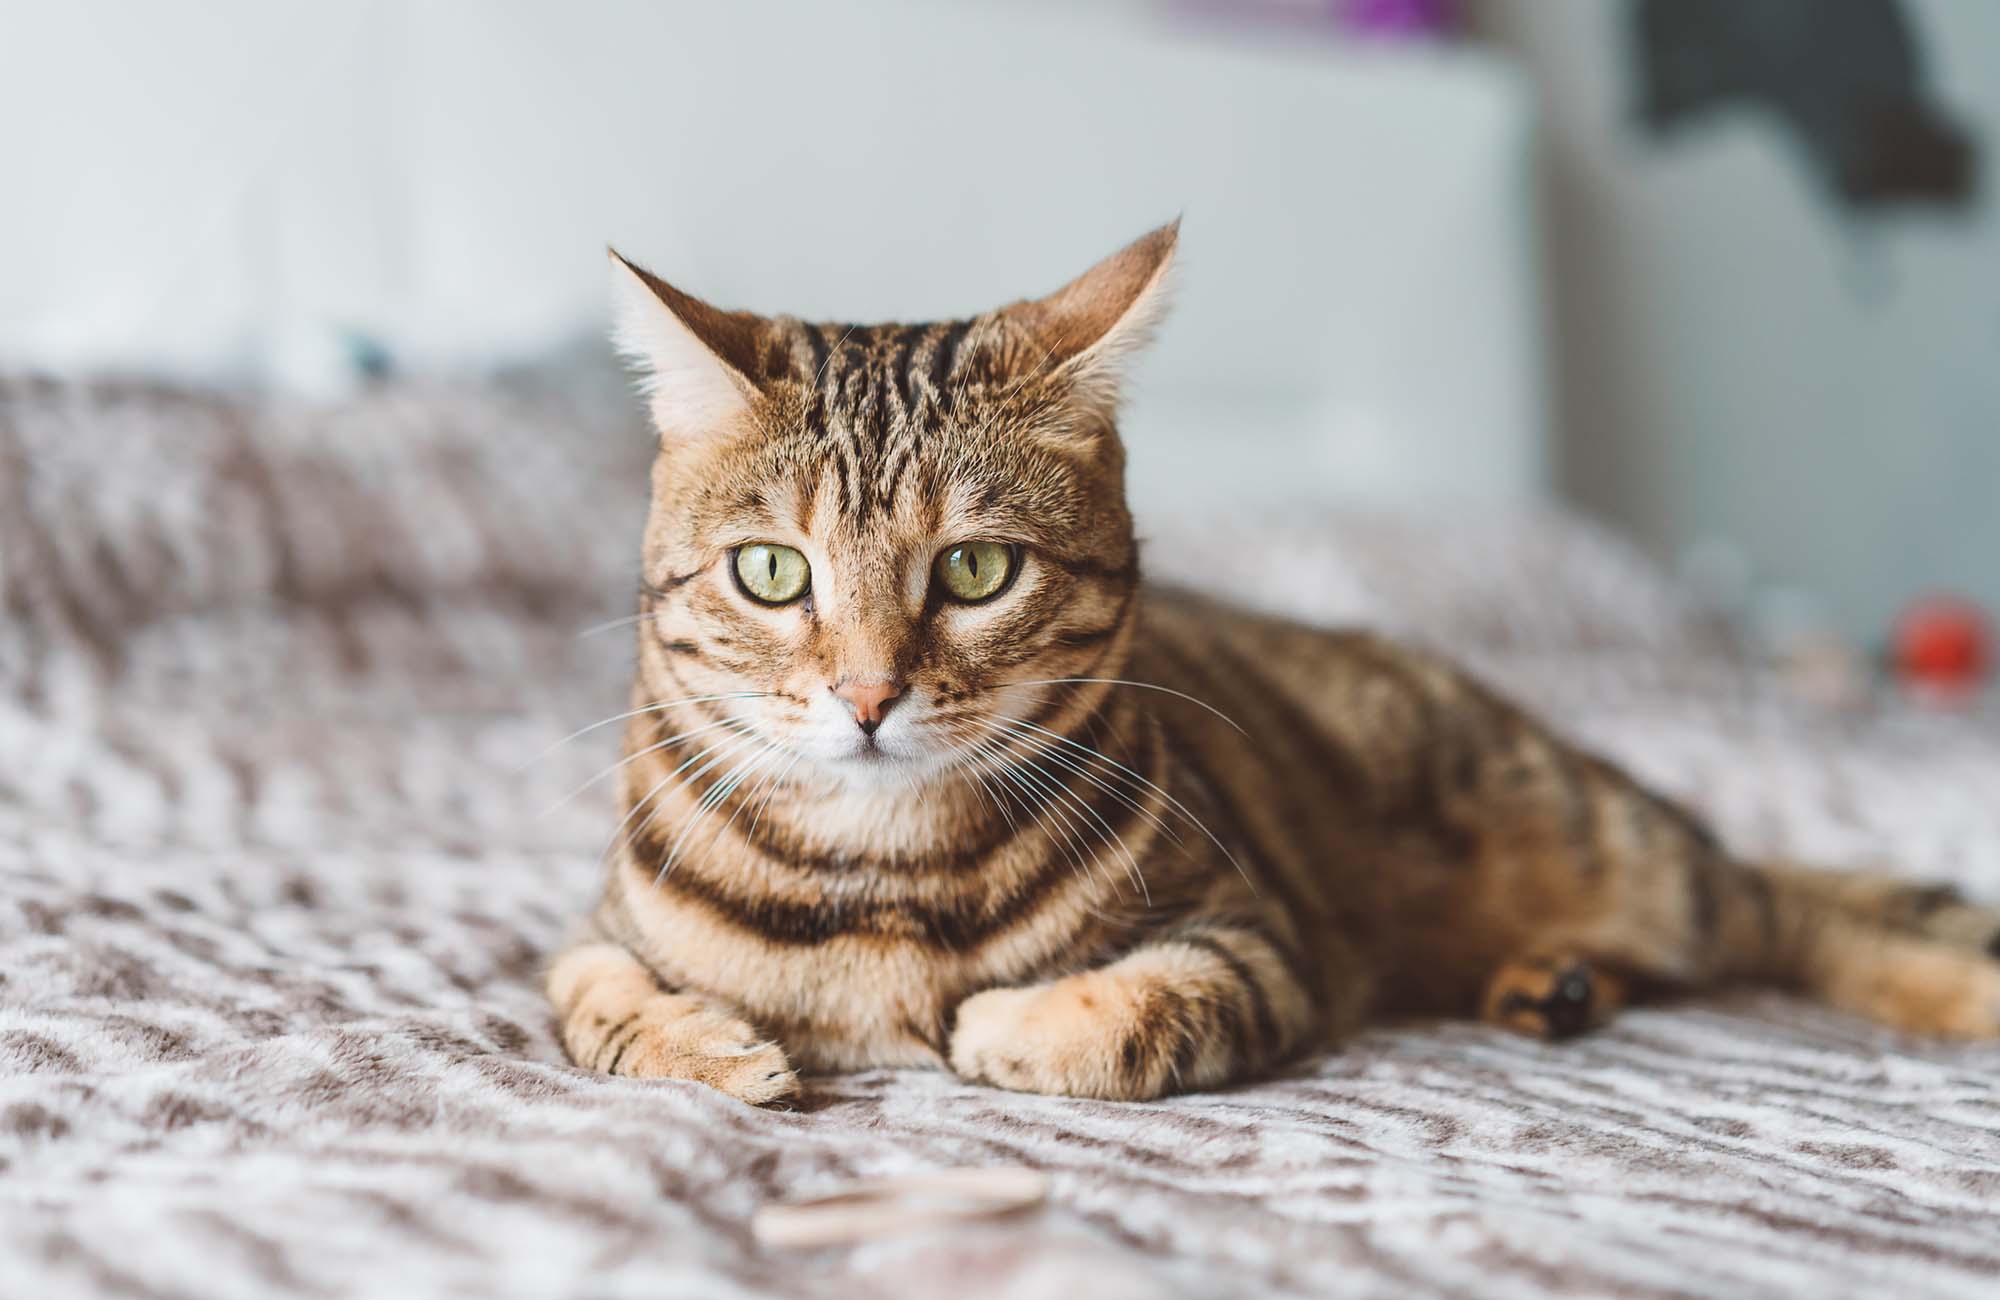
695, 360
1092, 326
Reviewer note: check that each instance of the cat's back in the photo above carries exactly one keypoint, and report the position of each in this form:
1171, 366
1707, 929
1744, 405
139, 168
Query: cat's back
1345, 711
1194, 641
1328, 745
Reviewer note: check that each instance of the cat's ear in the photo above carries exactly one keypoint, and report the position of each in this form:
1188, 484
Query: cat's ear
694, 360
1092, 326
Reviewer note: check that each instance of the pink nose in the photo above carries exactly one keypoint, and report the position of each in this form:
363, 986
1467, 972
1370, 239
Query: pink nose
869, 700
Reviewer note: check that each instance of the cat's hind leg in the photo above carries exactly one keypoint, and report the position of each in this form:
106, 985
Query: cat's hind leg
1552, 994
1932, 911
614, 1018
1911, 956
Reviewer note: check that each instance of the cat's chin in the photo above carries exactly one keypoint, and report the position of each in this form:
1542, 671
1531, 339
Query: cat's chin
883, 767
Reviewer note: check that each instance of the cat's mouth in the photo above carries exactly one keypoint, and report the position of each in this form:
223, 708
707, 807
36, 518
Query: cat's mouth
900, 754
874, 752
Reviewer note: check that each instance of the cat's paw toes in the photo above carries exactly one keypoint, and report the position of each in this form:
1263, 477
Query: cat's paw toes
1068, 1039
1551, 997
712, 1048
1938, 994
990, 1042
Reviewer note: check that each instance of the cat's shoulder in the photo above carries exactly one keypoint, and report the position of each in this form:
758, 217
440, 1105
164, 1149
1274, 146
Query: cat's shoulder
1184, 608
1184, 616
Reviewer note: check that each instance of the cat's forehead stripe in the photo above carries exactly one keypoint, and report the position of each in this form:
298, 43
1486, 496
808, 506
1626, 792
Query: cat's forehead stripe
874, 392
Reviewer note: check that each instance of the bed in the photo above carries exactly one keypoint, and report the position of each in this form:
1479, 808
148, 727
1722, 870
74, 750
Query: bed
286, 833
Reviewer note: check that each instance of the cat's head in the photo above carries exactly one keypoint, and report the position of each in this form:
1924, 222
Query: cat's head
869, 540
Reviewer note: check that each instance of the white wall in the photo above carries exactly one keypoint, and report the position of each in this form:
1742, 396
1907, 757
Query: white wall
1738, 362
219, 188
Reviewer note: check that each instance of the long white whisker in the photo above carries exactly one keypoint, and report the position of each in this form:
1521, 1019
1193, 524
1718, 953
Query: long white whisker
1176, 804
964, 758
1035, 779
657, 707
611, 624
1055, 755
827, 360
751, 832
717, 791
1110, 837
636, 755
983, 758
1007, 768
768, 771
1121, 681
1136, 780
648, 797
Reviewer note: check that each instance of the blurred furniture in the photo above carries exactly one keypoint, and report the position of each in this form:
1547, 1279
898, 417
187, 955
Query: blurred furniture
280, 192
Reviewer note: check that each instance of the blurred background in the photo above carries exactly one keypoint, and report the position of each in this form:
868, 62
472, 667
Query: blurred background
1722, 274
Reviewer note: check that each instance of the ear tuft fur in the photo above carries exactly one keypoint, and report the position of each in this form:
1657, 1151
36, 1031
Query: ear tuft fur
688, 354
1095, 324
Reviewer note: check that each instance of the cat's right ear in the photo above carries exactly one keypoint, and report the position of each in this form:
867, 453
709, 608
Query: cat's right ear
694, 360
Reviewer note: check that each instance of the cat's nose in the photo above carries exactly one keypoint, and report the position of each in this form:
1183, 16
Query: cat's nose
869, 700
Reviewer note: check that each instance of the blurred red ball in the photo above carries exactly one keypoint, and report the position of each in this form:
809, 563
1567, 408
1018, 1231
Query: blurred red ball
1944, 642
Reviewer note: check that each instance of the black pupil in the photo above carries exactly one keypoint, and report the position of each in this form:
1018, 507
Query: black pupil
774, 564
972, 561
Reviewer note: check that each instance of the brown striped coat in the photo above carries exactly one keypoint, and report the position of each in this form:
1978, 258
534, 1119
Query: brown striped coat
1079, 835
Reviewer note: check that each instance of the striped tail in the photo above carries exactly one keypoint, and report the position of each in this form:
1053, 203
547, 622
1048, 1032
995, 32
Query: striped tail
1915, 957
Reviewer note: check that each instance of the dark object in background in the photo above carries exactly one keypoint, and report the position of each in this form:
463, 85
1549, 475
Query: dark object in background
1843, 75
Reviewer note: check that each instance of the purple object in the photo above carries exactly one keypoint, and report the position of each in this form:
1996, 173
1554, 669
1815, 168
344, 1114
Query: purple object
1397, 18
1383, 20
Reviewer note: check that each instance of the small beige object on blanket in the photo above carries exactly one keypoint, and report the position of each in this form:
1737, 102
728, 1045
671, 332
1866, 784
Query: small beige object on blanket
883, 1207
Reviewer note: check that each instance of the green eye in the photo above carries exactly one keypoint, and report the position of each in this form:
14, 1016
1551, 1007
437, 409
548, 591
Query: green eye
975, 571
773, 574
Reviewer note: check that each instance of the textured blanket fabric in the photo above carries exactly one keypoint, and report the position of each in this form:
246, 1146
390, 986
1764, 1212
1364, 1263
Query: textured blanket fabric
283, 842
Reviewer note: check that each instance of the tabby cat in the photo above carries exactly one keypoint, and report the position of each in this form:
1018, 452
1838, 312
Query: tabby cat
918, 773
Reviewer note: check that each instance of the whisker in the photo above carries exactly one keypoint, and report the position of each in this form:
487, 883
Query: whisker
613, 624
1176, 804
717, 791
1055, 755
619, 831
1059, 793
659, 706
1137, 780
1008, 770
636, 755
772, 789
974, 759
963, 759
826, 361
1122, 681
1110, 837
764, 780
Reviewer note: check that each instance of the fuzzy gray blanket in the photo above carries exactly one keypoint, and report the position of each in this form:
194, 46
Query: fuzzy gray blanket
283, 841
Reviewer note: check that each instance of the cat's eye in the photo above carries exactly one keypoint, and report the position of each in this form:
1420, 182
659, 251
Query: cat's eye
975, 571
772, 574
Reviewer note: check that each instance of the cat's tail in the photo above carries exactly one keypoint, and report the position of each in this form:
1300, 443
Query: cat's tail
1917, 957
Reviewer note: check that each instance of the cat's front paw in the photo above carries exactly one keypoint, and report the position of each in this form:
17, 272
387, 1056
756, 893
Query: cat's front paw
707, 1046
671, 1036
616, 1020
1090, 1035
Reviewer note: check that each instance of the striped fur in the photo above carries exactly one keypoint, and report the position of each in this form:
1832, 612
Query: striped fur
1110, 841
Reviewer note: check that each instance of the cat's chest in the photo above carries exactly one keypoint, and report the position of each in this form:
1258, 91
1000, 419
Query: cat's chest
836, 996
848, 1006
